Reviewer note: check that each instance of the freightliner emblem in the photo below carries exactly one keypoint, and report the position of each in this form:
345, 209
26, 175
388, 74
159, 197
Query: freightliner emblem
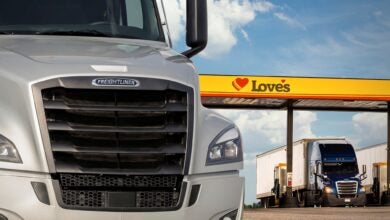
123, 82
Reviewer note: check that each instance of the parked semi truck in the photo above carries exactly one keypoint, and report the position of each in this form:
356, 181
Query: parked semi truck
101, 119
325, 173
375, 159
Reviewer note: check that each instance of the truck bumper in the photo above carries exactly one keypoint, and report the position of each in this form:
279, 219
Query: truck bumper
334, 200
220, 194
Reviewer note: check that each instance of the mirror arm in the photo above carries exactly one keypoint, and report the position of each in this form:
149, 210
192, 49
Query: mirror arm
362, 176
193, 51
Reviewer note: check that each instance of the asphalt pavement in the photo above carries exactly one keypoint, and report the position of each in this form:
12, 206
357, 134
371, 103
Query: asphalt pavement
343, 213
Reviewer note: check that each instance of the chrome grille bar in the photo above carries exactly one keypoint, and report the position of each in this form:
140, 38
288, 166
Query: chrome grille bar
347, 188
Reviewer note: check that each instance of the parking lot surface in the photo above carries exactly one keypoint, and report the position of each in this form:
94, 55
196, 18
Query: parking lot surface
319, 213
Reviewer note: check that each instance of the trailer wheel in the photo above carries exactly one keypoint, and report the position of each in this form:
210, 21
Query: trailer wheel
264, 203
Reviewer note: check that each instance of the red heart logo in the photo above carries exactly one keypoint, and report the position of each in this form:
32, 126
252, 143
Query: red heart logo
240, 83
283, 80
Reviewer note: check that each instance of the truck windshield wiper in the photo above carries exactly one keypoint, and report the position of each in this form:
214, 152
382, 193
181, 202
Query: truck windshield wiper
94, 33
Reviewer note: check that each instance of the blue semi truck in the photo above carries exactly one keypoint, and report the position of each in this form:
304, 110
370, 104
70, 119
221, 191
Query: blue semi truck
325, 173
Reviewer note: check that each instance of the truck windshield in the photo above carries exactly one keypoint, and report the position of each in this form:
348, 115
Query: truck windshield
135, 19
340, 168
337, 149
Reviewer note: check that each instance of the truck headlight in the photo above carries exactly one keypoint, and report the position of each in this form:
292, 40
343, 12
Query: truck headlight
225, 148
328, 189
8, 151
362, 189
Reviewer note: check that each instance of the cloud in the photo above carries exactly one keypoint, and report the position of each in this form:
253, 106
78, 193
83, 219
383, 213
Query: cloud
303, 124
371, 128
263, 6
382, 18
353, 53
175, 12
339, 51
227, 19
354, 40
378, 13
263, 130
245, 35
289, 20
250, 158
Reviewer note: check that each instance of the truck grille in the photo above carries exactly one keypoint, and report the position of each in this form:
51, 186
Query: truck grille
109, 145
347, 189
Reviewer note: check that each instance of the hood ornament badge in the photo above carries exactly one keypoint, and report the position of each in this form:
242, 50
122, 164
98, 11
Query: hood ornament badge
115, 81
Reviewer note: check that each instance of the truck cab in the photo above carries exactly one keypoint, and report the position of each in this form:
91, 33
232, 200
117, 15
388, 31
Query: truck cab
333, 173
101, 119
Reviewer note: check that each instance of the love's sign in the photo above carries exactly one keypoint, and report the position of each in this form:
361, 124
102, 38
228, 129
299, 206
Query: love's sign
294, 87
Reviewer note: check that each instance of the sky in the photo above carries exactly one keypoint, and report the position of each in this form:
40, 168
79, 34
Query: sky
321, 38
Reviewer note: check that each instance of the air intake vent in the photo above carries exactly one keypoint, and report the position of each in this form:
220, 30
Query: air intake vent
104, 141
80, 181
98, 199
98, 191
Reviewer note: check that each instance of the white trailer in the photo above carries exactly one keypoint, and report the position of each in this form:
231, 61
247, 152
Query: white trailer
374, 157
273, 163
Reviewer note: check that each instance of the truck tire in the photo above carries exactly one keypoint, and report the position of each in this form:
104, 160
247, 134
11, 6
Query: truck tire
301, 199
308, 199
325, 202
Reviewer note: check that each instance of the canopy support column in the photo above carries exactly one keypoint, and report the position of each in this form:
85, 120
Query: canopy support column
388, 149
385, 198
290, 201
290, 131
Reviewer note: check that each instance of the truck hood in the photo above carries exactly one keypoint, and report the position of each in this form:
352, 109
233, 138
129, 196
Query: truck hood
33, 57
342, 177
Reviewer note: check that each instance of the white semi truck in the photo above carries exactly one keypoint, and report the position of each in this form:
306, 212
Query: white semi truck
100, 119
325, 172
375, 159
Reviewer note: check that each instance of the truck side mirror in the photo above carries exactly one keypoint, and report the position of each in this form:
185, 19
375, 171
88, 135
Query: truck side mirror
313, 170
197, 27
363, 176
